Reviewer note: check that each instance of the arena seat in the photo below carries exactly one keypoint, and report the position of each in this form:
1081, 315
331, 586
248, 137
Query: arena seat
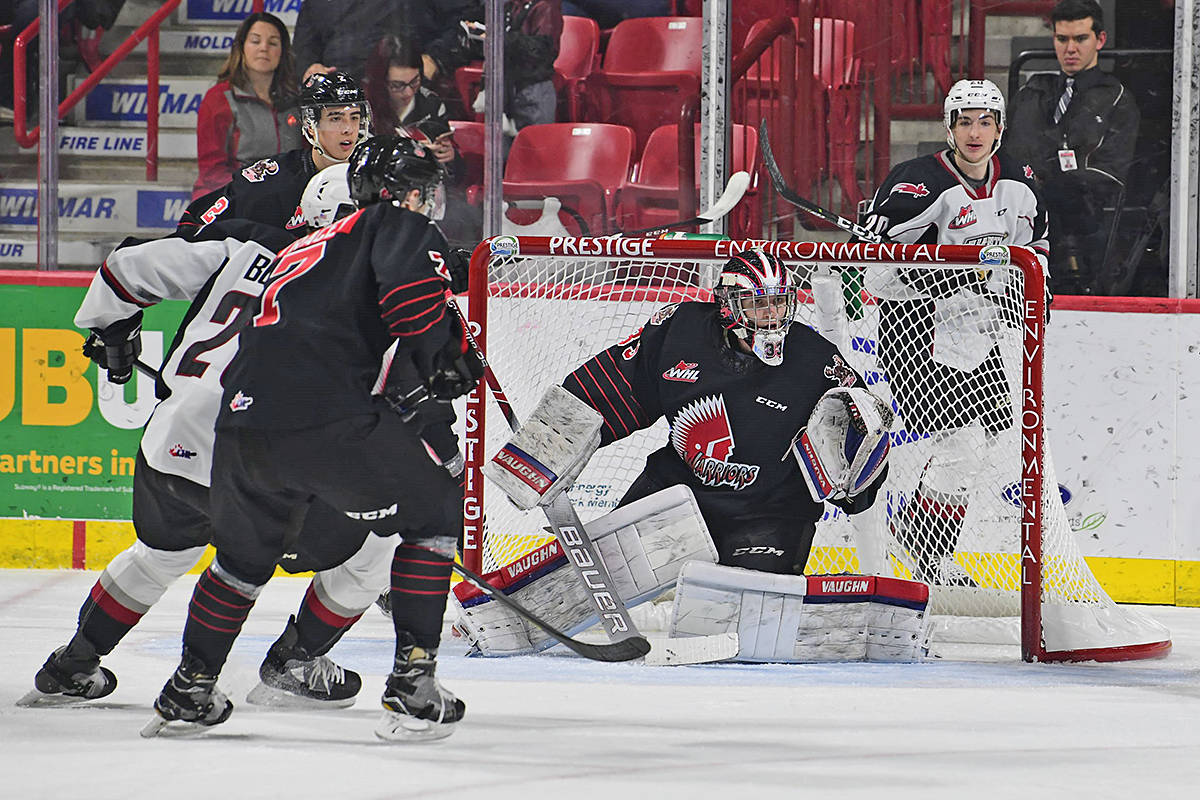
583, 164
652, 196
651, 66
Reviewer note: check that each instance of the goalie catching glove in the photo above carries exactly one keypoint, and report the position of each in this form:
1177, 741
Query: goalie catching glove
545, 456
845, 445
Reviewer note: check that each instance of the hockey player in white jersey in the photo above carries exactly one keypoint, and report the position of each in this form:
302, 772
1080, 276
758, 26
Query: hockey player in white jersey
937, 330
223, 273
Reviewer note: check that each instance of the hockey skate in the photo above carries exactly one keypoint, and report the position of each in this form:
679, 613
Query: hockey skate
416, 707
293, 678
191, 696
72, 674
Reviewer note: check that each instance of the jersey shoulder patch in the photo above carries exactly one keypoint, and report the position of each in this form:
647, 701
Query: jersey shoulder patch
259, 170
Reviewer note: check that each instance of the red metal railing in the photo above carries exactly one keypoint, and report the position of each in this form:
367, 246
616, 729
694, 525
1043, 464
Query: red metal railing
147, 31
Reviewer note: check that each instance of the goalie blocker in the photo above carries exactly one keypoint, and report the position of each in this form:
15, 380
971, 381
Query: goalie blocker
643, 545
798, 618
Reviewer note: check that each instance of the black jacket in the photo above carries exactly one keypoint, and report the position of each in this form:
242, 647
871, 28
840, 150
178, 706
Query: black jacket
1100, 125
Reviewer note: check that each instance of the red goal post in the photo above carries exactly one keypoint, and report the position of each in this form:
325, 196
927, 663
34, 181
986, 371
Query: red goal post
539, 306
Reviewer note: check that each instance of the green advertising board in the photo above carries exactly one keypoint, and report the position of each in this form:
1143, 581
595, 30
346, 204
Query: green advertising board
68, 437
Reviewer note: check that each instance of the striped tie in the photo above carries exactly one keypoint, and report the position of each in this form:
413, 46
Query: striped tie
1065, 100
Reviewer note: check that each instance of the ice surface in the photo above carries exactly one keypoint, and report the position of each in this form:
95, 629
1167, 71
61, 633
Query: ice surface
558, 726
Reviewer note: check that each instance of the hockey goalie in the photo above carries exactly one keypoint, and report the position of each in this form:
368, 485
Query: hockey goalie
725, 511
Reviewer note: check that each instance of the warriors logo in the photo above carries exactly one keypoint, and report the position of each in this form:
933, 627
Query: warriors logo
259, 170
840, 373
703, 438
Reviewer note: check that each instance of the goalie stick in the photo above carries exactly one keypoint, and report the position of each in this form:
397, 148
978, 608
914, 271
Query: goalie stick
735, 189
568, 529
622, 650
790, 194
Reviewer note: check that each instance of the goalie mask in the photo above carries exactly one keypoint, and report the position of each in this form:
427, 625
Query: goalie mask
756, 294
973, 94
326, 198
332, 92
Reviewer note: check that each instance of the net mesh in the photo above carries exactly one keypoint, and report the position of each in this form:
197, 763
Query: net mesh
942, 345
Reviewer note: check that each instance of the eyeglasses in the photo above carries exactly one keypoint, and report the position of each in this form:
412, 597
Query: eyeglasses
401, 86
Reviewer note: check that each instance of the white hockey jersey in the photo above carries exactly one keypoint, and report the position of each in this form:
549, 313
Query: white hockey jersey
223, 274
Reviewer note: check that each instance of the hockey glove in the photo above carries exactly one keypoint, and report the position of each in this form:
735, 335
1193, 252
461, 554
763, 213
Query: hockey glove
121, 345
845, 445
458, 263
458, 377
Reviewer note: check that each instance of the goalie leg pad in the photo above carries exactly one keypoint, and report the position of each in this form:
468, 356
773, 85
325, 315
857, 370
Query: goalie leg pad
644, 545
545, 456
797, 618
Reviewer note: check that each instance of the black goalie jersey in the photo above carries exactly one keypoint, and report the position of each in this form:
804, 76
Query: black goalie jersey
732, 417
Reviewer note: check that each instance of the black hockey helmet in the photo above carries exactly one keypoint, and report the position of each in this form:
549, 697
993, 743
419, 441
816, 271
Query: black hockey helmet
389, 167
756, 294
331, 90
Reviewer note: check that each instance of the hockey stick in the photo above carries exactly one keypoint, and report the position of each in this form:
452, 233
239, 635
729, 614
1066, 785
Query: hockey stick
735, 189
623, 650
568, 529
790, 194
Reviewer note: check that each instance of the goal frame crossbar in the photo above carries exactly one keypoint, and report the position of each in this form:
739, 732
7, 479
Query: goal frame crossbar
1032, 411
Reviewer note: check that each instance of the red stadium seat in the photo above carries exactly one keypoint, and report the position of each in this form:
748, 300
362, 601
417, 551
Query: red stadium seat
583, 164
651, 67
652, 196
578, 51
469, 139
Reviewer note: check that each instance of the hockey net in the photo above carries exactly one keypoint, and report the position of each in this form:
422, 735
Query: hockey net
1013, 575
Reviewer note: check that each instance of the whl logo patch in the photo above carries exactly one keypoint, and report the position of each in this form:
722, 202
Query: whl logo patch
966, 216
684, 372
703, 438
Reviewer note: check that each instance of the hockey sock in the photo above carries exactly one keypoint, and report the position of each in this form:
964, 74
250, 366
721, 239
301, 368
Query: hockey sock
104, 620
420, 583
215, 618
932, 527
317, 626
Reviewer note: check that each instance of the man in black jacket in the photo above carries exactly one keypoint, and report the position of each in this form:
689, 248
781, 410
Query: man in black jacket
1077, 131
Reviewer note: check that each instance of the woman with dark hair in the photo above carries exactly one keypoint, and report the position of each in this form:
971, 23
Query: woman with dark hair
251, 112
400, 103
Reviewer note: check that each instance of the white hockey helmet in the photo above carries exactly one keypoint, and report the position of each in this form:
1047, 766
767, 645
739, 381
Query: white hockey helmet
973, 94
326, 198
753, 282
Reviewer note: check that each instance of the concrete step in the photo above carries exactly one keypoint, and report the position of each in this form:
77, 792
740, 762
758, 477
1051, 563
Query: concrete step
111, 142
121, 102
121, 209
74, 251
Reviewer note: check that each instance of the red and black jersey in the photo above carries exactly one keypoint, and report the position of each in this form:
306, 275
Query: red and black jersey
732, 417
336, 300
268, 191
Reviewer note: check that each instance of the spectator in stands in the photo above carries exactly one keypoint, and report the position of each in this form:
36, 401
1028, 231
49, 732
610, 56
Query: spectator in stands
608, 13
532, 32
398, 99
339, 34
251, 113
1077, 131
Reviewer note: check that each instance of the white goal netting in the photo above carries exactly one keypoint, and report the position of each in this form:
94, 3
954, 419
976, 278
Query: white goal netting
951, 336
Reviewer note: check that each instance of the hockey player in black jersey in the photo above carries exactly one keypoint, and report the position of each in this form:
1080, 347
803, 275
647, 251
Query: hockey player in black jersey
335, 117
735, 380
945, 369
221, 273
299, 421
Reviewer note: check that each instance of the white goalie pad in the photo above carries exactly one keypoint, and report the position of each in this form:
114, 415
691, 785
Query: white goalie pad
545, 456
643, 545
845, 444
798, 618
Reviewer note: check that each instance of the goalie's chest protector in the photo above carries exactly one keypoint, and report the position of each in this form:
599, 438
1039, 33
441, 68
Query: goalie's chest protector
732, 417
